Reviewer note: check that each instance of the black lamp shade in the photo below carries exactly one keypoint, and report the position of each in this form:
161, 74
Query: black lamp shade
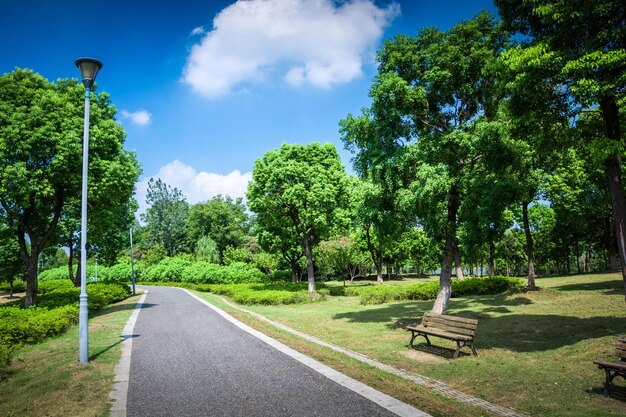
89, 68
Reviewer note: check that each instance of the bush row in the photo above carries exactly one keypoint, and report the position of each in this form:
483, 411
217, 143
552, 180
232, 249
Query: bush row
56, 310
168, 270
257, 293
378, 294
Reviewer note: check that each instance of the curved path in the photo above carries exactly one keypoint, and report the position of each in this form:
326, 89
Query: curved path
192, 360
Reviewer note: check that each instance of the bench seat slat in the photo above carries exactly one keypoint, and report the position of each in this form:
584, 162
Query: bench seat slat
614, 365
456, 319
453, 327
441, 333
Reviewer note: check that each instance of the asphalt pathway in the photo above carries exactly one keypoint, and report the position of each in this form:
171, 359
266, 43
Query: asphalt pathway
189, 361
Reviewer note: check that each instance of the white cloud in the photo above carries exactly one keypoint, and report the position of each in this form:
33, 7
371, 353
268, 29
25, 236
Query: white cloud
314, 42
197, 31
196, 186
140, 117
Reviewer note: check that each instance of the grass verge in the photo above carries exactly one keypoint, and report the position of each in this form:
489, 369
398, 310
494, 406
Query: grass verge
535, 349
47, 380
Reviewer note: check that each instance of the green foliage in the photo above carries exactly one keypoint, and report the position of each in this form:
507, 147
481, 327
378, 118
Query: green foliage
241, 254
57, 310
280, 275
183, 270
168, 270
299, 193
378, 294
20, 326
206, 250
166, 218
41, 129
222, 219
154, 255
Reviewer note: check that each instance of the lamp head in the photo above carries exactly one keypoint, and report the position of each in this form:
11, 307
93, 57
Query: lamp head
89, 68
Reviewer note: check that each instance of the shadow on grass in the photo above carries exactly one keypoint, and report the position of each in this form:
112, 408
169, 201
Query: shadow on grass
101, 351
607, 287
514, 331
119, 307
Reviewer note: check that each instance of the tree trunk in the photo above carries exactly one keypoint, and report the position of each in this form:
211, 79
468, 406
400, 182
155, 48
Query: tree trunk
378, 263
610, 113
445, 277
529, 247
445, 280
457, 261
308, 252
492, 251
294, 271
379, 272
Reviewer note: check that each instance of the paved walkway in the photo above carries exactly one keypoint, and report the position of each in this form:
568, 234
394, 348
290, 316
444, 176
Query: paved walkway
192, 360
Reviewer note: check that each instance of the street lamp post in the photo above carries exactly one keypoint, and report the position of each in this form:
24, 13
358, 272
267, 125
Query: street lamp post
132, 261
89, 68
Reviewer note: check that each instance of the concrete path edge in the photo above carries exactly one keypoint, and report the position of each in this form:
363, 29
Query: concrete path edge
119, 393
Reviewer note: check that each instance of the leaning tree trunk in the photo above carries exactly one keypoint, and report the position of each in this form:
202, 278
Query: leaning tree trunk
308, 252
445, 277
529, 247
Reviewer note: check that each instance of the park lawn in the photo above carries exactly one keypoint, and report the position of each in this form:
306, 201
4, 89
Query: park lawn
47, 380
535, 349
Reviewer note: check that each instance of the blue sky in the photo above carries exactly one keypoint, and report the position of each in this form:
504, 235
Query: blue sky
204, 88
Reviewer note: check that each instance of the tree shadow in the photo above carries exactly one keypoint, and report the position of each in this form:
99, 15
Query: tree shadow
122, 338
120, 307
606, 287
516, 332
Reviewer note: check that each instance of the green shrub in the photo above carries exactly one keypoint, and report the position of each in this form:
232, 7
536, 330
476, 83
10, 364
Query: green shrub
261, 293
56, 310
167, 270
208, 273
19, 326
18, 286
378, 294
280, 275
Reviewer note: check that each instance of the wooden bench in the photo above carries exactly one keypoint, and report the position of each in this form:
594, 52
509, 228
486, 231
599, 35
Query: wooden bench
613, 369
459, 329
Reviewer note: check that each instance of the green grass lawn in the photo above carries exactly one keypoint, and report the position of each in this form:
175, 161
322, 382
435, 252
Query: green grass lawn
535, 349
47, 380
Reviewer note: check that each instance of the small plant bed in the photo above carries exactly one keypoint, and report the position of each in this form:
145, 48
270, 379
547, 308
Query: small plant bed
56, 311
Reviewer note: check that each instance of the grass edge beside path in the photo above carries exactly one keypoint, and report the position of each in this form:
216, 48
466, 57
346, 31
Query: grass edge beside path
46, 379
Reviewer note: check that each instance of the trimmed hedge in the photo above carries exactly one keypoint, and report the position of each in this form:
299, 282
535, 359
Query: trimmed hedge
56, 311
379, 294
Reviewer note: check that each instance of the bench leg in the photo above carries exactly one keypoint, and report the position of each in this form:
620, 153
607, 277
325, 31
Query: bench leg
415, 334
607, 382
473, 349
458, 349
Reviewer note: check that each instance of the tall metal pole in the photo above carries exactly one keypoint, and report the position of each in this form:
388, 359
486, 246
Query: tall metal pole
132, 261
83, 312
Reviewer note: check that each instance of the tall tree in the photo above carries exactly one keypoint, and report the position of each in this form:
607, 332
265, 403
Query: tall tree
585, 40
222, 219
434, 100
166, 218
302, 188
41, 127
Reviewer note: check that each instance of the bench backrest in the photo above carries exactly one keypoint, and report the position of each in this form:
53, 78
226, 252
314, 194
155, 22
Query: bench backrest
620, 347
452, 324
